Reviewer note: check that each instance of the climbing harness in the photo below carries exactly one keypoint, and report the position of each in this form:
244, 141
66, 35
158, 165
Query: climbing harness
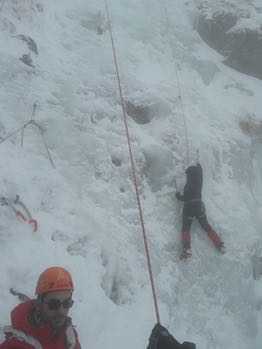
133, 168
23, 215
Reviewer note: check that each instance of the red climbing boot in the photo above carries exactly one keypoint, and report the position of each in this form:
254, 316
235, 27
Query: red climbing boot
186, 253
213, 236
221, 248
186, 243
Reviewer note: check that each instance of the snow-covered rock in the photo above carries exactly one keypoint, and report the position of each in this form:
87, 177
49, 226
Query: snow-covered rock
235, 30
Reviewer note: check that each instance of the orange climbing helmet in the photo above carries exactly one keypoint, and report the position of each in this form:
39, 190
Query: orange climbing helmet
54, 279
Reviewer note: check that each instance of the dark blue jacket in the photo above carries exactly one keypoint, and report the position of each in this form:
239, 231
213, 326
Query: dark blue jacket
194, 182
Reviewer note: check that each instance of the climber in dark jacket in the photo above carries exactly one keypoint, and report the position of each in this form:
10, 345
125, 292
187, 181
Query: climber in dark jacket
194, 207
160, 338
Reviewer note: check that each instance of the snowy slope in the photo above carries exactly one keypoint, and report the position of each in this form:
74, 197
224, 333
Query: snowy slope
85, 206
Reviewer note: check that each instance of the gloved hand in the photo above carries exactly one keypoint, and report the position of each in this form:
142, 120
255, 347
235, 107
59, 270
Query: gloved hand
188, 345
160, 338
3, 201
178, 195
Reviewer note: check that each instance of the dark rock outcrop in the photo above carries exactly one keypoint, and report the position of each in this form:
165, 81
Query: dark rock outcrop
141, 114
26, 59
241, 46
246, 52
30, 42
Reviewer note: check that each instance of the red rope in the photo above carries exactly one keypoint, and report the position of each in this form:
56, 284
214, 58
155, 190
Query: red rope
133, 166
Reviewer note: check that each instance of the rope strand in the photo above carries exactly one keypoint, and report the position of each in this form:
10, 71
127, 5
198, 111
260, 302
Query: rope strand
31, 122
184, 115
182, 107
132, 165
14, 132
2, 5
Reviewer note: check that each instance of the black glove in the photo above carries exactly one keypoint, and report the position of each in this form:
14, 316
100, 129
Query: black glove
178, 195
3, 201
188, 345
160, 338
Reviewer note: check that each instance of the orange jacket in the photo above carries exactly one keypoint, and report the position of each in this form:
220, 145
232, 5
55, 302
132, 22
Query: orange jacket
23, 335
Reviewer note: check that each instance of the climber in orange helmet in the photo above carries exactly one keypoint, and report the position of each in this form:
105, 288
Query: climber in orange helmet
43, 323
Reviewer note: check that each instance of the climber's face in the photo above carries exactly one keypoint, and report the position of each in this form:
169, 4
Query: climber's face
55, 307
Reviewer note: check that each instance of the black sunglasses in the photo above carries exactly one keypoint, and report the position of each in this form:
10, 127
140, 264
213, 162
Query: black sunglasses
55, 304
